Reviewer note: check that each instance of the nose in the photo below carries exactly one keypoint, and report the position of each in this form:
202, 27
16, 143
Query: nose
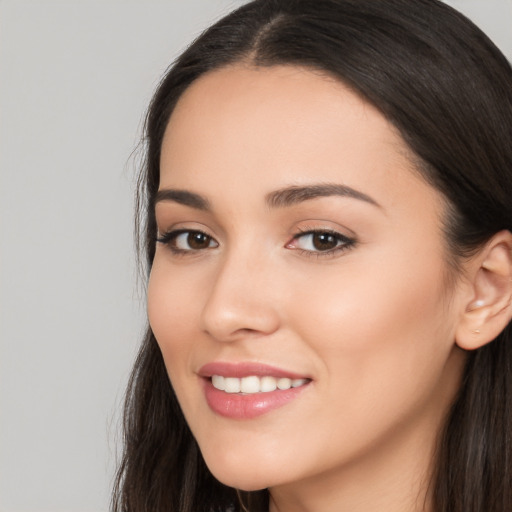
242, 299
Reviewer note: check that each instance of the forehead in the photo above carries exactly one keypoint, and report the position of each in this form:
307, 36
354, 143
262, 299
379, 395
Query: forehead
292, 102
265, 128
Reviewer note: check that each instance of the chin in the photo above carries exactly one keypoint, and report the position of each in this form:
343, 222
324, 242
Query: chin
243, 480
246, 475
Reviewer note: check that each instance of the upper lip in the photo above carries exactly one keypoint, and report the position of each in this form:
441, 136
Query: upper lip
246, 369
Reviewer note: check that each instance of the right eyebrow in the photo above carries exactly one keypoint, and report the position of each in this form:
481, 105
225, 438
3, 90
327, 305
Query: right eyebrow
183, 197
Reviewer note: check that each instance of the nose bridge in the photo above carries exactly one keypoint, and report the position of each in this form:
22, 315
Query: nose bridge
240, 298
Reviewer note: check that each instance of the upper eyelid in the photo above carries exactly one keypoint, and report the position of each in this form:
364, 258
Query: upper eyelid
179, 231
334, 232
300, 232
309, 230
167, 236
163, 227
341, 232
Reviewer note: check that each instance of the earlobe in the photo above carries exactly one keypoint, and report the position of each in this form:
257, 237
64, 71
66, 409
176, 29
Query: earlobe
489, 308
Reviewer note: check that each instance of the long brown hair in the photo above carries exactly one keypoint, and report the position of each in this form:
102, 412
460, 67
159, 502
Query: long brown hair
448, 90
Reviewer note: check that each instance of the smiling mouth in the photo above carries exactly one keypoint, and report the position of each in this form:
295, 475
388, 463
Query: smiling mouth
253, 384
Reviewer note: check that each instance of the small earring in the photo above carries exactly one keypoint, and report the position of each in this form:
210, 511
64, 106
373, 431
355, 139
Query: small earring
478, 304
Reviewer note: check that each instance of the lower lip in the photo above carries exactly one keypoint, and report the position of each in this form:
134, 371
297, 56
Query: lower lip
245, 407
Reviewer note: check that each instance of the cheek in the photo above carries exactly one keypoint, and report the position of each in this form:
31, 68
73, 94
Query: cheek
171, 309
379, 334
172, 304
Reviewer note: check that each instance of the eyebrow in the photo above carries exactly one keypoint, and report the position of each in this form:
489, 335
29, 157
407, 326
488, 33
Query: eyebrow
183, 197
282, 198
289, 196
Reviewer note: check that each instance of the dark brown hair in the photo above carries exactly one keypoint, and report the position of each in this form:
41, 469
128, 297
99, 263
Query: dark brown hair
448, 90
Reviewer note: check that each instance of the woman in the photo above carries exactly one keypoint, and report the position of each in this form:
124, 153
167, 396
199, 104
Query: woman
326, 213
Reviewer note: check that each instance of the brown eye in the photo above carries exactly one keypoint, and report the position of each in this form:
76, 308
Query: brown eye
321, 242
181, 241
197, 240
324, 241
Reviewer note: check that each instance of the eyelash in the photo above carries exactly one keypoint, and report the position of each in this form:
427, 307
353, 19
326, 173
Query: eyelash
169, 239
344, 243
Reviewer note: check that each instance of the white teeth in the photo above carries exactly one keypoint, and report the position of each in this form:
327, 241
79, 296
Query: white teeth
298, 382
218, 382
231, 385
284, 383
268, 384
250, 384
253, 384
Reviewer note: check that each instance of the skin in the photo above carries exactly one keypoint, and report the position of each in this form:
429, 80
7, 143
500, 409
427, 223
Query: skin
372, 325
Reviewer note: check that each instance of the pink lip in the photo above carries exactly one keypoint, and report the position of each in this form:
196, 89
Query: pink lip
245, 370
243, 407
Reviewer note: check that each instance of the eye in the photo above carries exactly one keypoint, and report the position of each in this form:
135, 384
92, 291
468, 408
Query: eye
183, 240
320, 241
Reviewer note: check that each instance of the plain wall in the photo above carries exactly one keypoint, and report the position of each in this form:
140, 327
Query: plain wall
75, 79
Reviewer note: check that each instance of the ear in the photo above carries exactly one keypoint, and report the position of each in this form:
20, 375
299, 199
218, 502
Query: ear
488, 309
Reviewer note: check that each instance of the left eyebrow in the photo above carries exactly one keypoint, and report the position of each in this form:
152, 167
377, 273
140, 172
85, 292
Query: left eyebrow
292, 195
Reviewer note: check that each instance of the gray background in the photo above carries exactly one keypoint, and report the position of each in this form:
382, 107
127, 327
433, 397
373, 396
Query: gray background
75, 78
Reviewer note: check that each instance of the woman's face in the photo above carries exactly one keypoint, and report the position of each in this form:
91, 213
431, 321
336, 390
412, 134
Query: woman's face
298, 247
